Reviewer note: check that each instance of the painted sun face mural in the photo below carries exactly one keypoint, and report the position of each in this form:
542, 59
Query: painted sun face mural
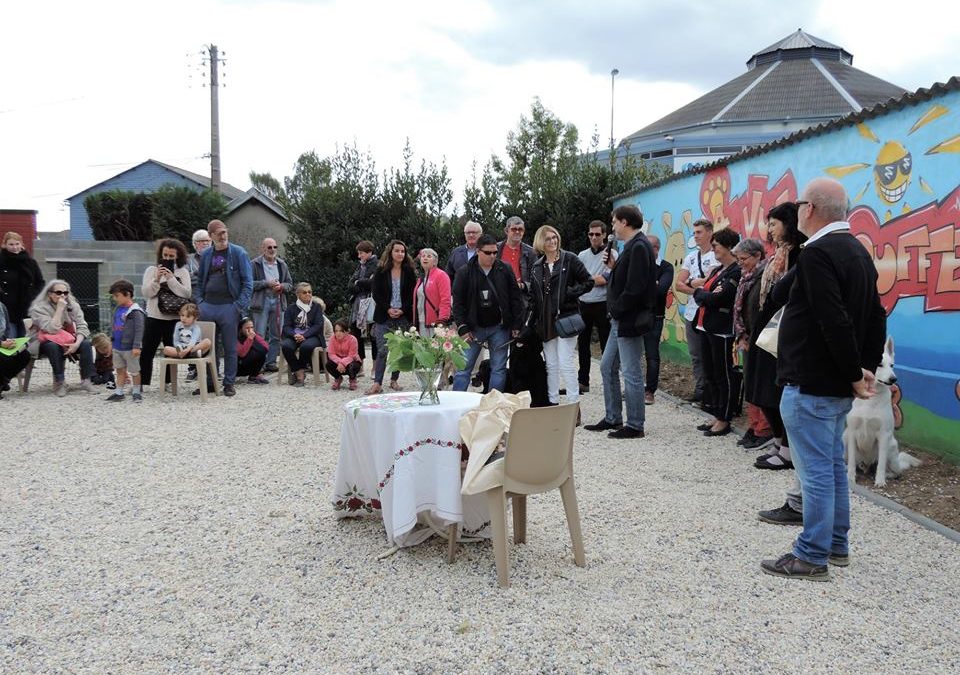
893, 166
891, 173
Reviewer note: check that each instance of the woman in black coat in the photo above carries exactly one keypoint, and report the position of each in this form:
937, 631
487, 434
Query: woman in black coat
20, 281
760, 374
716, 296
302, 332
391, 288
557, 280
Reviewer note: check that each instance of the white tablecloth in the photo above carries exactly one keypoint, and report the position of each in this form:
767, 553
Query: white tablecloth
402, 460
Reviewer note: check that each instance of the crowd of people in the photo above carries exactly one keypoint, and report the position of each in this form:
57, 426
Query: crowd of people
532, 309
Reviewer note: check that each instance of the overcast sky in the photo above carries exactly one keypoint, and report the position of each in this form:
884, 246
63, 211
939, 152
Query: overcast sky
89, 89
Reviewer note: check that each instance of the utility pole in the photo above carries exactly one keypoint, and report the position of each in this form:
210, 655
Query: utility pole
613, 75
214, 118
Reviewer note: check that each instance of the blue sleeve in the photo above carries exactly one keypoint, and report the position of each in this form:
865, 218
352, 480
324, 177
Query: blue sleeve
246, 281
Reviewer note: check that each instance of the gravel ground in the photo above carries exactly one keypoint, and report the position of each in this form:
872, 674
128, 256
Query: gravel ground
175, 537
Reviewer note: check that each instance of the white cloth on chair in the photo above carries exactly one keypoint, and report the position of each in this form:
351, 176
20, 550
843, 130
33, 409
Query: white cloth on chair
483, 430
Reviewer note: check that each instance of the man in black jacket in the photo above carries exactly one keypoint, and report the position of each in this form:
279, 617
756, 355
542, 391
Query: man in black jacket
830, 342
631, 296
651, 340
488, 310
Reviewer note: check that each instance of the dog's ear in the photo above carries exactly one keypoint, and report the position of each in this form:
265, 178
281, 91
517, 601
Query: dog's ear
890, 345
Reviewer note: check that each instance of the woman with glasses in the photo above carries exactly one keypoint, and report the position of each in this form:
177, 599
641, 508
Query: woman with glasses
431, 297
750, 256
391, 288
557, 281
302, 332
60, 332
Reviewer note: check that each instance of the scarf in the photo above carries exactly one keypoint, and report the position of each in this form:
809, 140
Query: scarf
747, 281
302, 316
774, 270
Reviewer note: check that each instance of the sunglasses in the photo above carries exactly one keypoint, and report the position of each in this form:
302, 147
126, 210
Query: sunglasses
60, 292
493, 252
272, 248
595, 234
517, 229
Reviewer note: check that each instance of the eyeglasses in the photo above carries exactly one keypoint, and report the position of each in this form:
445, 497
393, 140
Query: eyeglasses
551, 238
493, 252
517, 229
802, 202
60, 292
471, 232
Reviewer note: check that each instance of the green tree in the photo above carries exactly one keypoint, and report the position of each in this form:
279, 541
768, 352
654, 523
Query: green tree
481, 199
179, 211
268, 185
119, 215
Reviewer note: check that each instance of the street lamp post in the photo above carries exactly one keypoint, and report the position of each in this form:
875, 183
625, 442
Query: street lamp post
613, 75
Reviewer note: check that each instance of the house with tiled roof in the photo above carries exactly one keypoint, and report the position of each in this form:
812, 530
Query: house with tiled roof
149, 176
796, 83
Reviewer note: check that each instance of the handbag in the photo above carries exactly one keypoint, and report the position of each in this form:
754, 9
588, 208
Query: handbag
570, 325
169, 302
62, 337
767, 340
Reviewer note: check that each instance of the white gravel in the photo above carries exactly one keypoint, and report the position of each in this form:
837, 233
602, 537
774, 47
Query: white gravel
172, 536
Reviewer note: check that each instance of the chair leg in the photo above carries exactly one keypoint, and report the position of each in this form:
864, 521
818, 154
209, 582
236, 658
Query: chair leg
519, 519
323, 366
212, 369
173, 373
202, 370
569, 496
496, 501
27, 372
452, 532
315, 362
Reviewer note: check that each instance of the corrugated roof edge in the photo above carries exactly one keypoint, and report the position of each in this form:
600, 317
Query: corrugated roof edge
920, 95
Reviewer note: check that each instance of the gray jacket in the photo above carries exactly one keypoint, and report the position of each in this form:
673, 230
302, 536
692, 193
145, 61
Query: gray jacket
260, 287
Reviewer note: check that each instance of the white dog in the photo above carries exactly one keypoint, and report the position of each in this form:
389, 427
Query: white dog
869, 437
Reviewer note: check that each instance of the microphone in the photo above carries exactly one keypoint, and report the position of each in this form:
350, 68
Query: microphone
610, 240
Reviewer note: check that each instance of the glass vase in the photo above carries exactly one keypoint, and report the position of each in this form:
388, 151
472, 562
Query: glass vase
429, 380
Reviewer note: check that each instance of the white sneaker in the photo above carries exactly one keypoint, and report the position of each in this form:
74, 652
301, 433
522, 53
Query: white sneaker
60, 389
88, 387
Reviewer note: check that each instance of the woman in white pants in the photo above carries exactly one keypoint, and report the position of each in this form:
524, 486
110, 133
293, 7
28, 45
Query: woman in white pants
557, 280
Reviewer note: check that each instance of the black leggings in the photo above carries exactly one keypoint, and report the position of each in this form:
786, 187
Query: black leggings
155, 331
251, 364
352, 370
723, 382
776, 423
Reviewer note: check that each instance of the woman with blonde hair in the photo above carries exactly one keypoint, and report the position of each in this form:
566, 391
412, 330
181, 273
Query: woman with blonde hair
557, 281
60, 332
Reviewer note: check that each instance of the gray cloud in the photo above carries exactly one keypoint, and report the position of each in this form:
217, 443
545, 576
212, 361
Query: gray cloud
704, 44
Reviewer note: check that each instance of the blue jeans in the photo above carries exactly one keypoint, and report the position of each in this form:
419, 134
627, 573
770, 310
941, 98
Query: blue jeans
623, 353
496, 339
267, 322
815, 427
226, 317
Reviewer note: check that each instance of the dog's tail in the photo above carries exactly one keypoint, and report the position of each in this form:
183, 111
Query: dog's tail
905, 461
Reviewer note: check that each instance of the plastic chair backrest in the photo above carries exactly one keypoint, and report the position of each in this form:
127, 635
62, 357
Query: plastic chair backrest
539, 449
208, 331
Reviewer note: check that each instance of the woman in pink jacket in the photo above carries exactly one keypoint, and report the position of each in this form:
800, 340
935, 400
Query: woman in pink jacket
343, 357
431, 296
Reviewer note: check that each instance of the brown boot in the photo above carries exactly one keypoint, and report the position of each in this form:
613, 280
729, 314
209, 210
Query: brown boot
301, 376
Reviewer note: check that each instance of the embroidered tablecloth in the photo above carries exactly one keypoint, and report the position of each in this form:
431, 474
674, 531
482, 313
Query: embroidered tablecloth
402, 461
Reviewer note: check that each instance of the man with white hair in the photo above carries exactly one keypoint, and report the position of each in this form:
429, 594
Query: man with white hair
463, 254
829, 345
201, 242
271, 283
517, 254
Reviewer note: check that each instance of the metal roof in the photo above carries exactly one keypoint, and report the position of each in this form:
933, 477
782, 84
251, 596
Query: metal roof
910, 98
228, 191
800, 77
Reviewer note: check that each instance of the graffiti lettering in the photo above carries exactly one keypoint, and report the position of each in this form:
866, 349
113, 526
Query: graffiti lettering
746, 213
917, 254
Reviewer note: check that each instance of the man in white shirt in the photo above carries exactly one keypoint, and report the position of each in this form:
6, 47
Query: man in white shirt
696, 265
593, 303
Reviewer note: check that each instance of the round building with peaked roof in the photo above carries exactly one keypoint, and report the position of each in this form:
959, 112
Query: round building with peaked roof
795, 83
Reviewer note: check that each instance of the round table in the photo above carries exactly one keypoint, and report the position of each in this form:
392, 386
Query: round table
402, 461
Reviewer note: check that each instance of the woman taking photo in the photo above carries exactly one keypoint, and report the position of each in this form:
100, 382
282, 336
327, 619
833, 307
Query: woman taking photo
20, 281
760, 376
431, 297
60, 332
302, 332
716, 295
166, 287
558, 278
391, 288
